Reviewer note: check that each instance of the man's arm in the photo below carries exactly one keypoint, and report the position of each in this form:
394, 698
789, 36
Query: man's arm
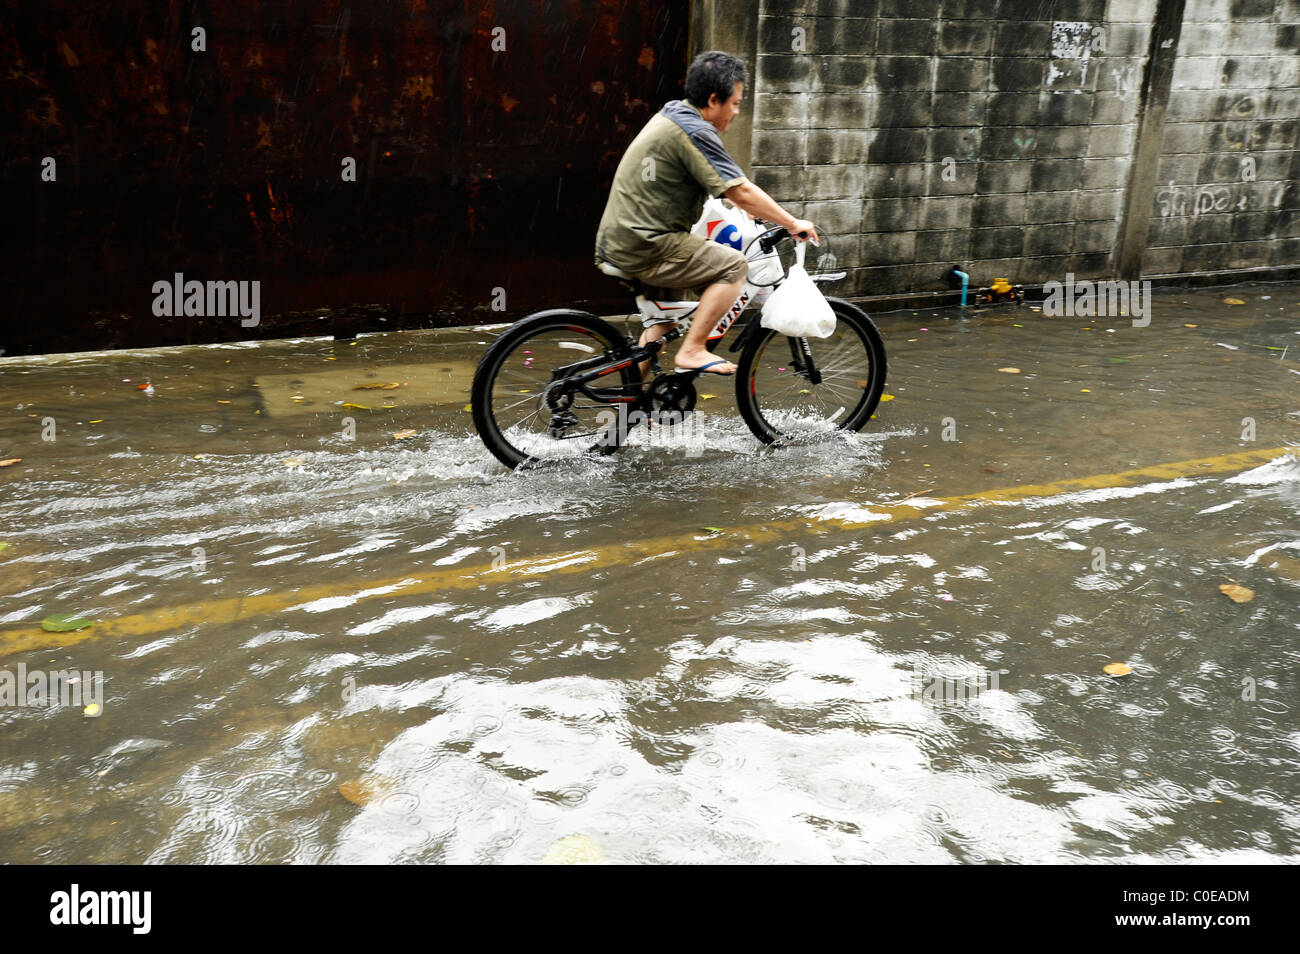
759, 204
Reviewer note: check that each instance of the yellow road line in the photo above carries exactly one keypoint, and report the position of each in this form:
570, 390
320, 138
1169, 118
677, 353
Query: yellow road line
172, 619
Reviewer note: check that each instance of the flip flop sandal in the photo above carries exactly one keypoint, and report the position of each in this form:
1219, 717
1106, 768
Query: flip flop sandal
705, 367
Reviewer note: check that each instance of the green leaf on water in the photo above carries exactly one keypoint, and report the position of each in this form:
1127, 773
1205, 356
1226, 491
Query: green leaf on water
713, 530
1272, 348
65, 623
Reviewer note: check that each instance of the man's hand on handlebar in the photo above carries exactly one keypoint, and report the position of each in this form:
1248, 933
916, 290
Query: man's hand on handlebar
802, 226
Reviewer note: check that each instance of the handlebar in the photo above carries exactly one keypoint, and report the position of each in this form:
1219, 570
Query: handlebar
767, 240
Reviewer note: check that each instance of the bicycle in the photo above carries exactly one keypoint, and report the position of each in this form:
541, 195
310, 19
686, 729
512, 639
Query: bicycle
536, 395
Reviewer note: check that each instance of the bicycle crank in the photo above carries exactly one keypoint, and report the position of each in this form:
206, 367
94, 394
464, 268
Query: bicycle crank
671, 397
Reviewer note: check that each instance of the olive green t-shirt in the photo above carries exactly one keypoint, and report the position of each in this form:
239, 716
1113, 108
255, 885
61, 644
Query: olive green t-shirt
674, 164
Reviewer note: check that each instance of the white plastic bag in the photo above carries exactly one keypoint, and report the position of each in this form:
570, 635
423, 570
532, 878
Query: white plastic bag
798, 308
725, 225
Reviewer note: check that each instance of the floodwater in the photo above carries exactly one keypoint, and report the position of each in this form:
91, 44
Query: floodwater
385, 649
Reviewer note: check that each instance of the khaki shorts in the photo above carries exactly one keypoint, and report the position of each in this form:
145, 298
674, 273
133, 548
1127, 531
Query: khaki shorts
711, 263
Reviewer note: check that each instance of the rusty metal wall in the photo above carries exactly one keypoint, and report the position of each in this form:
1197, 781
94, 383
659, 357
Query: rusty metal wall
477, 168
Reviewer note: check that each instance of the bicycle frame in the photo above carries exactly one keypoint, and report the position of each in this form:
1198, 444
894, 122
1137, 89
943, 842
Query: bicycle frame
577, 376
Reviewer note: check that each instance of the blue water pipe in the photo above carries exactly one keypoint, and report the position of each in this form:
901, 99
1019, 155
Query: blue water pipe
965, 283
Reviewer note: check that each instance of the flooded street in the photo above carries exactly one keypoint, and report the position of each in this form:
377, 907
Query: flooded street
321, 642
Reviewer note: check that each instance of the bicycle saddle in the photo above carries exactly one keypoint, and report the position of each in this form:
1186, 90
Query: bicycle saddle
613, 271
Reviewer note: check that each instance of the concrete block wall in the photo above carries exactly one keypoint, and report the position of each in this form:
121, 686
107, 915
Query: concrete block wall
1228, 177
998, 134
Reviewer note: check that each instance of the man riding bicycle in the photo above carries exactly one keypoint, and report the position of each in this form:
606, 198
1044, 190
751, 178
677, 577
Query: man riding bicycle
658, 193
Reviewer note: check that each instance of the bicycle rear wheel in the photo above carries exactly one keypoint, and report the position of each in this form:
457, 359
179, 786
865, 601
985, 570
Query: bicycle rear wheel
522, 410
775, 388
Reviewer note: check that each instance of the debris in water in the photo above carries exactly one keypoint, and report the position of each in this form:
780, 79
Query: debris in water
1116, 669
360, 791
65, 623
1238, 594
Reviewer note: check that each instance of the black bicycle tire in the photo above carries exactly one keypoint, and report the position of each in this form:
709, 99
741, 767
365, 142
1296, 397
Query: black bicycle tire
489, 364
844, 311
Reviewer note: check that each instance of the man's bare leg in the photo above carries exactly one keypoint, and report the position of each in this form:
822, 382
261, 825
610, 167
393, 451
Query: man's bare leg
717, 298
653, 333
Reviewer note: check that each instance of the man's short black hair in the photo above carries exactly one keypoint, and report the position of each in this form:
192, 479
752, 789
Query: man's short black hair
713, 72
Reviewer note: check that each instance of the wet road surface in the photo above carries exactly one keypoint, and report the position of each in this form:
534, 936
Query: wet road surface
322, 642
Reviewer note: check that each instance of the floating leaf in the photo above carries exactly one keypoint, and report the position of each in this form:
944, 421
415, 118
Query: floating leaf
10, 462
1084, 391
360, 407
218, 401
1116, 669
360, 791
1238, 594
886, 397
92, 710
65, 623
1009, 370
377, 387
713, 530
469, 408
101, 420
1186, 325
707, 397
403, 435
1233, 301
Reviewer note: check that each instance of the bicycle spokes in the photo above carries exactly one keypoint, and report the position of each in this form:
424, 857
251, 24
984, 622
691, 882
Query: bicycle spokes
806, 388
540, 404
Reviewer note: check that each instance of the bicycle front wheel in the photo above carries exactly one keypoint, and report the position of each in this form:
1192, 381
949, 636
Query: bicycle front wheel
802, 390
522, 409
